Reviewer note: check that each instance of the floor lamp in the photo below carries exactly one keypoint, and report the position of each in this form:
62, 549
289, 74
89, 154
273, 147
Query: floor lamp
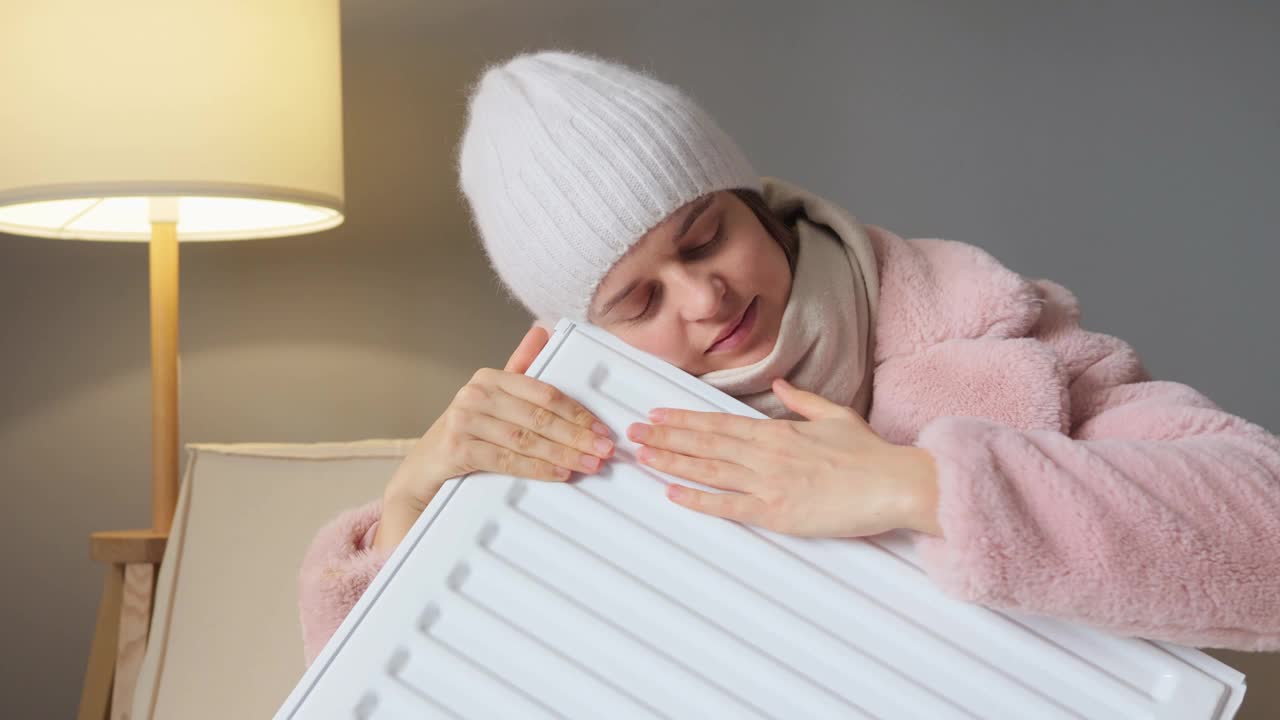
159, 122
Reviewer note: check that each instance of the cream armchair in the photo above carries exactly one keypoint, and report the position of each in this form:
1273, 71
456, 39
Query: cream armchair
224, 640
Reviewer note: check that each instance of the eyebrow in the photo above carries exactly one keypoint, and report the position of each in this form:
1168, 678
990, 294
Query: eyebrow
690, 217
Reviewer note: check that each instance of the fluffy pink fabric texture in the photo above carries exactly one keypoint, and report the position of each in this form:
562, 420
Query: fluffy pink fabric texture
337, 567
1071, 484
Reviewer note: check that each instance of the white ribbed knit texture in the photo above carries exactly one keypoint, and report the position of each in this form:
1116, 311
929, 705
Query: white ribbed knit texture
568, 159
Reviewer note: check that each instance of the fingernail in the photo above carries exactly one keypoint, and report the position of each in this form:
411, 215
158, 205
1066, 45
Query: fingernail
644, 454
563, 473
603, 445
658, 415
590, 463
600, 428
638, 432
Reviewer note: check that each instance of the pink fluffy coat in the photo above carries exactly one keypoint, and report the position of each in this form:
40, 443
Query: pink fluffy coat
1071, 483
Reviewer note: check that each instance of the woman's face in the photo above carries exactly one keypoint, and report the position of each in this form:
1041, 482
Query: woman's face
690, 280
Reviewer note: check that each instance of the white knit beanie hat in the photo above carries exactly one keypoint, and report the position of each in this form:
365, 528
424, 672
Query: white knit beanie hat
568, 159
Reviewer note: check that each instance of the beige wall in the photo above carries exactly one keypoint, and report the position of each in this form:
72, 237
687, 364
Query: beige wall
1130, 154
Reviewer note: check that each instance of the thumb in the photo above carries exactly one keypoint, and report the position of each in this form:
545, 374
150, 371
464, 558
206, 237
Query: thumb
527, 350
810, 405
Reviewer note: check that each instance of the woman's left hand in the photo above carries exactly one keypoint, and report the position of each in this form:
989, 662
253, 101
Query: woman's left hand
829, 476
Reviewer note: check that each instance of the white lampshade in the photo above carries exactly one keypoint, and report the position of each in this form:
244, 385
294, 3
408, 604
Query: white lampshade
233, 107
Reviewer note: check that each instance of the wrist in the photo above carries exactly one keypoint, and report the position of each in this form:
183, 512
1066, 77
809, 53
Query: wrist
404, 493
921, 471
397, 518
396, 502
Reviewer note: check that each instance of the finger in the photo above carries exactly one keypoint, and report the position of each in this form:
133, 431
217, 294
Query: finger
716, 473
534, 340
737, 426
525, 441
730, 506
547, 396
504, 406
544, 422
810, 405
486, 457
695, 443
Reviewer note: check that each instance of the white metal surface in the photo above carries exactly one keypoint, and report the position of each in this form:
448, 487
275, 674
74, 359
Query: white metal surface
601, 598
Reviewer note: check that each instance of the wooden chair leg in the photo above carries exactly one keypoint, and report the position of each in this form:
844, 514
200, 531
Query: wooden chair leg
135, 620
95, 696
124, 618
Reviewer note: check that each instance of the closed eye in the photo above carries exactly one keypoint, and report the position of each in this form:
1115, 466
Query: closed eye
648, 307
694, 253
707, 247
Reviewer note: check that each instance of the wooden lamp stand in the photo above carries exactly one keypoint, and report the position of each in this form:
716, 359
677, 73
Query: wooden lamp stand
133, 557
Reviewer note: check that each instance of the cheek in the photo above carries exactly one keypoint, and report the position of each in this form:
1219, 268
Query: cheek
655, 340
759, 265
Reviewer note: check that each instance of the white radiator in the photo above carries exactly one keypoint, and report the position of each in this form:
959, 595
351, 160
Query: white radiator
600, 598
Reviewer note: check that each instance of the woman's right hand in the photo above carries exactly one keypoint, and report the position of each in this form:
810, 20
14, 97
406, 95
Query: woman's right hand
502, 421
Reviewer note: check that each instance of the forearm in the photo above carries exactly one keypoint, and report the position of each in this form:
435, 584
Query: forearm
1173, 540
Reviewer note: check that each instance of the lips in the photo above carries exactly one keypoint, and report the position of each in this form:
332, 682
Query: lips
728, 330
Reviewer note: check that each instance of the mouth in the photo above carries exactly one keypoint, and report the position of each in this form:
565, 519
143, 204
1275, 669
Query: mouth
737, 332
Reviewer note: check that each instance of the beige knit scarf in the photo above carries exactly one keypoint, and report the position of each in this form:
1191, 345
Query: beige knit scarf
825, 344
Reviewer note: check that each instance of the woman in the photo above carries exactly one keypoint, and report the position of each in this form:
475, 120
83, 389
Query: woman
913, 384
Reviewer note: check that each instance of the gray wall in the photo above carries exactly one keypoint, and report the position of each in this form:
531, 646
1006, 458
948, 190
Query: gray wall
1126, 150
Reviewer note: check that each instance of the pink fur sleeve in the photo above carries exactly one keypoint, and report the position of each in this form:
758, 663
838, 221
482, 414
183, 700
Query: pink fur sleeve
1158, 517
337, 567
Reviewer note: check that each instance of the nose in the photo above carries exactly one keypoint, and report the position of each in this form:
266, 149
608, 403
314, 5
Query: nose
699, 294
